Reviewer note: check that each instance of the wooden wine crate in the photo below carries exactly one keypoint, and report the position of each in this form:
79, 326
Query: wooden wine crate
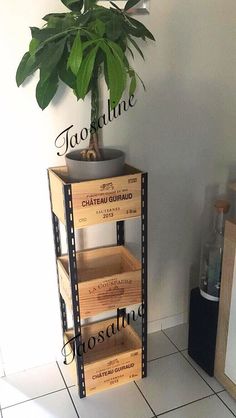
108, 278
97, 201
112, 362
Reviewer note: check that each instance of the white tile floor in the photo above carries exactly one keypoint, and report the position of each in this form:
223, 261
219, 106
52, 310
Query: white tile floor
175, 388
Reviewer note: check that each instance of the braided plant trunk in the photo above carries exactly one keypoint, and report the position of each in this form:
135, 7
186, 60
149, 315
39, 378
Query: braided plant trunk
93, 152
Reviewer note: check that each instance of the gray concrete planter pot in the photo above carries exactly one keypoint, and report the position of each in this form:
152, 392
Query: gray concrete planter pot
112, 165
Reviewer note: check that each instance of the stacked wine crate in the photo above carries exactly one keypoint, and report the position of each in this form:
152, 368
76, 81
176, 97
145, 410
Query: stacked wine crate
101, 353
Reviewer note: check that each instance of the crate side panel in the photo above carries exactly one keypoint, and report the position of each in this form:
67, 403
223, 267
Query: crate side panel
69, 357
64, 282
56, 187
99, 295
118, 291
112, 372
129, 261
106, 200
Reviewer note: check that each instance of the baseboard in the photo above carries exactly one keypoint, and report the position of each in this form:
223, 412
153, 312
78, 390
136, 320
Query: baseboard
168, 322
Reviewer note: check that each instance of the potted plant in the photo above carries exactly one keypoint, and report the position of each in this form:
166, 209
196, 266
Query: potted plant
78, 48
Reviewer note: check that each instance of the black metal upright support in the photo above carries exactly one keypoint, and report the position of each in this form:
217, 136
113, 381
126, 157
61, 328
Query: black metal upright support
57, 246
144, 252
120, 232
70, 232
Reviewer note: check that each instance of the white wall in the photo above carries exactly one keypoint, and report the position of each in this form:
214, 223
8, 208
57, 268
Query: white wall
182, 131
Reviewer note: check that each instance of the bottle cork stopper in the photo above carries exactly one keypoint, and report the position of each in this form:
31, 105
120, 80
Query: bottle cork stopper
222, 206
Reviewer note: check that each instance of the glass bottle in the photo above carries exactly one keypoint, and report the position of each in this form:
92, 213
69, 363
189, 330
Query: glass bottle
212, 254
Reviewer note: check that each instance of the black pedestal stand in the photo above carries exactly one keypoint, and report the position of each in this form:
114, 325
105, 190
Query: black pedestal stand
203, 320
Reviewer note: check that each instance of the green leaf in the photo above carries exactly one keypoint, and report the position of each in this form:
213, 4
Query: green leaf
84, 18
116, 49
115, 5
131, 52
133, 85
57, 15
99, 27
85, 73
46, 90
136, 46
126, 63
50, 58
66, 75
119, 55
116, 75
114, 28
143, 30
90, 34
144, 87
86, 44
76, 55
130, 4
68, 22
89, 4
74, 5
131, 30
26, 67
45, 44
43, 34
33, 46
106, 76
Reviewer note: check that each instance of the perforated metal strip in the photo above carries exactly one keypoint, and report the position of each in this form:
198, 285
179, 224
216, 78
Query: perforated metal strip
70, 231
144, 252
57, 246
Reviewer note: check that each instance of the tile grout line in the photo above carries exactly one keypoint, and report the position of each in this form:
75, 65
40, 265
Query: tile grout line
33, 399
226, 405
181, 406
158, 358
186, 404
215, 393
68, 390
181, 353
172, 342
145, 399
155, 415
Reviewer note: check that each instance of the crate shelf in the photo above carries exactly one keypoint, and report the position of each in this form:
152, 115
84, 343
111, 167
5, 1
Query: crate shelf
112, 362
94, 281
97, 201
108, 278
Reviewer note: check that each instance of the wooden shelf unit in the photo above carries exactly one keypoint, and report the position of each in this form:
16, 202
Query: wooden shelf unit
94, 281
